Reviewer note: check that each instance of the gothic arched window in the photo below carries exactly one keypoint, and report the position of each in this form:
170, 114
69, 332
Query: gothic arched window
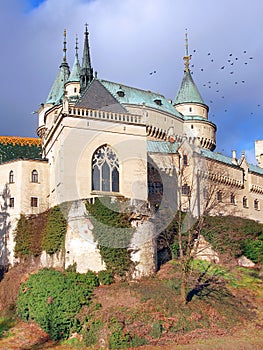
34, 176
11, 177
245, 202
219, 196
105, 170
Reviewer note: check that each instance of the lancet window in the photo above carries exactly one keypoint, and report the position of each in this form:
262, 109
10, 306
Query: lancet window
105, 170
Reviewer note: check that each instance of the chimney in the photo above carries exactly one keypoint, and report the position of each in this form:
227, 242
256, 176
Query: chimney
234, 157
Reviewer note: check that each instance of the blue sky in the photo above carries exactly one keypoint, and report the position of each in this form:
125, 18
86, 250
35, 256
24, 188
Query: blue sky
128, 40
35, 3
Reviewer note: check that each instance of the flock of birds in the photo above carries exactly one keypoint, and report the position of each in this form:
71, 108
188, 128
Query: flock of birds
227, 72
228, 68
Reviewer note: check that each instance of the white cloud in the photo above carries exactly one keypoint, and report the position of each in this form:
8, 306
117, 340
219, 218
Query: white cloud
130, 38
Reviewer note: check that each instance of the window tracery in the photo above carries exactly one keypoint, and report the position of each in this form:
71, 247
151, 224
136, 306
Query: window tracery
105, 170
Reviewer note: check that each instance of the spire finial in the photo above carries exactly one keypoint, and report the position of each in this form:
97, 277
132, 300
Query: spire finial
187, 57
86, 75
65, 46
76, 47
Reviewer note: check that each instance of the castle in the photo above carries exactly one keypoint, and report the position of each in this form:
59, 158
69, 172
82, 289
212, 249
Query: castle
100, 138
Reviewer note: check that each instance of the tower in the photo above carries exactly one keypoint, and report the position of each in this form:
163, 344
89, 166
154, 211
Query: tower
86, 72
72, 86
191, 105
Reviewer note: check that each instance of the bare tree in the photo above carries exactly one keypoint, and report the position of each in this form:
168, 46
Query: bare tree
202, 189
205, 189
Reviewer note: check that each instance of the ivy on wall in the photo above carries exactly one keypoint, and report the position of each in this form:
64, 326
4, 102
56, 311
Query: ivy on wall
113, 232
54, 231
45, 231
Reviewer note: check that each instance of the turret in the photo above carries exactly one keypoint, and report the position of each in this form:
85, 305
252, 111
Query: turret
191, 105
72, 86
86, 72
56, 93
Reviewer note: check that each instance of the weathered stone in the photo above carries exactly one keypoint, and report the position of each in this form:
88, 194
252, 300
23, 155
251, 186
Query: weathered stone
204, 251
245, 262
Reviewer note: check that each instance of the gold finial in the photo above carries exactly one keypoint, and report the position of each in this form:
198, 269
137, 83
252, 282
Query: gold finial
187, 57
65, 45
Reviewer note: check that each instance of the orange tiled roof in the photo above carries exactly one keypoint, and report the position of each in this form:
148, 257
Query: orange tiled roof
29, 141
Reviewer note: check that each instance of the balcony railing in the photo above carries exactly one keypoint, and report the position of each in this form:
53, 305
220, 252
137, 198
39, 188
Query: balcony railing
103, 115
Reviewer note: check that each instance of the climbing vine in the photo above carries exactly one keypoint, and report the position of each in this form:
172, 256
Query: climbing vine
45, 231
54, 231
113, 232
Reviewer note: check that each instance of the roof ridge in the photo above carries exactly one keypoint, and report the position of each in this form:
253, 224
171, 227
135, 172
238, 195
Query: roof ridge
131, 87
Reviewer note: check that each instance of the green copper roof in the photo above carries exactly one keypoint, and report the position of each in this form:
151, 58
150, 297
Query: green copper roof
228, 160
128, 95
75, 73
57, 89
217, 156
188, 92
255, 169
161, 147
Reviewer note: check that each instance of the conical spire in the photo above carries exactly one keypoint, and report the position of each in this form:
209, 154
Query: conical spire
86, 73
57, 90
188, 92
75, 73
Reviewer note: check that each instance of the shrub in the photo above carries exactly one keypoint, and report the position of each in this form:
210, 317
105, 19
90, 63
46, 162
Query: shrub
53, 300
253, 249
91, 335
119, 339
235, 236
105, 277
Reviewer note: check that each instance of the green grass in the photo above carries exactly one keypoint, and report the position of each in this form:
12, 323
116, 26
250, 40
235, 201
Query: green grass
6, 322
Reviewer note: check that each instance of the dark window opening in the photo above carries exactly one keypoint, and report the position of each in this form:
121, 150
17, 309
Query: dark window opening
256, 204
34, 202
245, 203
34, 176
12, 202
120, 93
185, 190
11, 177
158, 102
